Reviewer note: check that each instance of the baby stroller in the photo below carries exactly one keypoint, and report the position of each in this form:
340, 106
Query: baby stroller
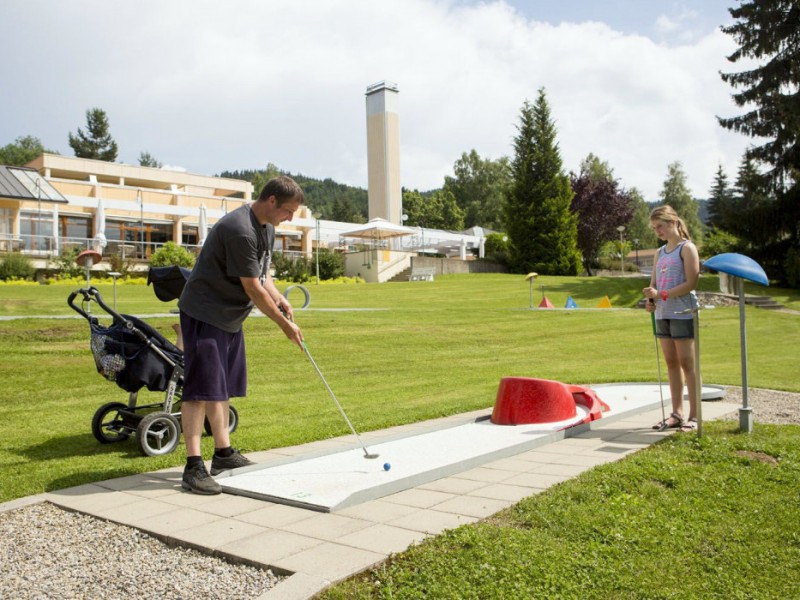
134, 355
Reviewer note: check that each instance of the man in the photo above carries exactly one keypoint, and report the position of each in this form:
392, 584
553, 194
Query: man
230, 277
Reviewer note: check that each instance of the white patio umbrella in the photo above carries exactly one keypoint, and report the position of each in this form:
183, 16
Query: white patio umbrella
100, 226
202, 228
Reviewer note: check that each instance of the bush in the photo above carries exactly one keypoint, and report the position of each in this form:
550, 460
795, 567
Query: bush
290, 269
331, 264
65, 265
16, 266
120, 265
171, 254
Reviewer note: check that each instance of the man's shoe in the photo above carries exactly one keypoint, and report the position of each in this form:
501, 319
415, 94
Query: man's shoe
197, 480
234, 461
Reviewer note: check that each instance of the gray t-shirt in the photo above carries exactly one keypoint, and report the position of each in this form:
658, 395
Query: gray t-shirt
237, 246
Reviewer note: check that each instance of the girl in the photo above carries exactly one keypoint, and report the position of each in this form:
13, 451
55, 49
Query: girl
671, 295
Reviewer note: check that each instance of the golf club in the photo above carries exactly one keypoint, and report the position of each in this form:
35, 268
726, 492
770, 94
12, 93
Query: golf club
339, 406
658, 363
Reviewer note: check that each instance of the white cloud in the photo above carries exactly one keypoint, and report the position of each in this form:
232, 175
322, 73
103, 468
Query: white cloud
215, 86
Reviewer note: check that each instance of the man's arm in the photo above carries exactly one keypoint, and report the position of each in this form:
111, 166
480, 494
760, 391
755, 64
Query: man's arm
268, 300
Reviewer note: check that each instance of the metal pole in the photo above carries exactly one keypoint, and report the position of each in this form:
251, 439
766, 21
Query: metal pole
745, 413
697, 379
141, 220
531, 292
317, 250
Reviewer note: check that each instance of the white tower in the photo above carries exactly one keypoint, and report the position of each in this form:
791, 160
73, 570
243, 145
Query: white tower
383, 152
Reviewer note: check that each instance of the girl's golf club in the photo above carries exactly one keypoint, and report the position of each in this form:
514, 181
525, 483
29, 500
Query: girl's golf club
658, 363
339, 406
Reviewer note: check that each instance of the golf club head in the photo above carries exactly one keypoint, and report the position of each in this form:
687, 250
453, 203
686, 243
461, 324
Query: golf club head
370, 455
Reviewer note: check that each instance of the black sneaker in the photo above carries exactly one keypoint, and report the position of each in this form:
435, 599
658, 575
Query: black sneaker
196, 479
234, 461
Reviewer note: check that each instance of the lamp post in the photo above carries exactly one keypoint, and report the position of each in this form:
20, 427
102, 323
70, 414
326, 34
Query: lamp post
141, 220
636, 248
621, 229
316, 218
115, 275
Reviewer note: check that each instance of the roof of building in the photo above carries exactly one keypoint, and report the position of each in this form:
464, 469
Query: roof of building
23, 183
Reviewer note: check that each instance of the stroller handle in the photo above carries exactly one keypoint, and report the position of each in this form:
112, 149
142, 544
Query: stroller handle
93, 294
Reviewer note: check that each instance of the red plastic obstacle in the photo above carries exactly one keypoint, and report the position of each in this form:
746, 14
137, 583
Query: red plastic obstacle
525, 400
545, 303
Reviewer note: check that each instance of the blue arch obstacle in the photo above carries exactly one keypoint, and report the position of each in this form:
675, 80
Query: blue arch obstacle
741, 268
738, 265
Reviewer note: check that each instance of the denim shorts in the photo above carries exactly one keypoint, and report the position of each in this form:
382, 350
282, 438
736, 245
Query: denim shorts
676, 329
214, 362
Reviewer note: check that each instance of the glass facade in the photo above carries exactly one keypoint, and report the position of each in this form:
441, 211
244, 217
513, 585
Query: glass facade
36, 230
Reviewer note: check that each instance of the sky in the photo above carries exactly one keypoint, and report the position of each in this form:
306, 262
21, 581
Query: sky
207, 86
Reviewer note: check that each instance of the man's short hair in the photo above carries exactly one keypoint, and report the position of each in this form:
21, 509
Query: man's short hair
284, 189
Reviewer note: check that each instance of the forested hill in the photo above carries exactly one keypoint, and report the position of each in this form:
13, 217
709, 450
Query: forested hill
333, 201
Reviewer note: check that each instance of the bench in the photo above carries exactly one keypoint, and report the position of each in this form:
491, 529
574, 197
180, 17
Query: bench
422, 274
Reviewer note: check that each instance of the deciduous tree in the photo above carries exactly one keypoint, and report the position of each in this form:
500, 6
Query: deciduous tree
676, 193
479, 186
22, 151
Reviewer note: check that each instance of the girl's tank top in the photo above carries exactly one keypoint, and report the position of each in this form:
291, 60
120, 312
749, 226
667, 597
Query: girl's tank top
670, 273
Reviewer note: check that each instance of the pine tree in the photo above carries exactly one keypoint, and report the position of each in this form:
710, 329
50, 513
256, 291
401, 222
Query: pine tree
768, 34
676, 193
541, 228
97, 143
768, 31
148, 160
722, 209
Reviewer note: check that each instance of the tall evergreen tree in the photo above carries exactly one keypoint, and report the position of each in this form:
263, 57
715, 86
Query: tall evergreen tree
541, 228
722, 209
148, 160
97, 142
753, 217
768, 34
676, 193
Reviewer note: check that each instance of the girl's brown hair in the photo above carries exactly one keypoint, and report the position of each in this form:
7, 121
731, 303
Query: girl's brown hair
667, 214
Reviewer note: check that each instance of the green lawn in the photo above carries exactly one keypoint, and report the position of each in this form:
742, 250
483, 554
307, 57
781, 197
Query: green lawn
685, 518
437, 348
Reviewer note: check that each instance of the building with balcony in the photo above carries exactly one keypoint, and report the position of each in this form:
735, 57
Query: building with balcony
58, 201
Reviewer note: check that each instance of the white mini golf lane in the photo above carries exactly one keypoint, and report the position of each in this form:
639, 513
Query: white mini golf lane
344, 478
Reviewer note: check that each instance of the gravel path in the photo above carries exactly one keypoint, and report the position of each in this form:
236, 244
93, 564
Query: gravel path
47, 552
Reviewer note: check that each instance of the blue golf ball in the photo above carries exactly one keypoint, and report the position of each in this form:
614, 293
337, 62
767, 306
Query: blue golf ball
386, 466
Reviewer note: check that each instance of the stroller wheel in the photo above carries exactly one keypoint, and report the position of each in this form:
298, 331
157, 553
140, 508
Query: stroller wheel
233, 421
108, 425
158, 433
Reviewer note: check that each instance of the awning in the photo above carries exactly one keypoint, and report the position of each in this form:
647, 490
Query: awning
379, 229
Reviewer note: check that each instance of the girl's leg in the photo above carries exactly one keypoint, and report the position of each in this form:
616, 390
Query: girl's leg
671, 357
685, 355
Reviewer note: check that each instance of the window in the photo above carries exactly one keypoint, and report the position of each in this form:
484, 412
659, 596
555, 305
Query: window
36, 230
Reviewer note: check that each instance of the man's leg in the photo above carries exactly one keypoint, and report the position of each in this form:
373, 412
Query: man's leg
193, 415
218, 414
225, 457
195, 477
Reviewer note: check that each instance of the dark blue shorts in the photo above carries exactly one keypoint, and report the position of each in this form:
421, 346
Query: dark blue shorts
215, 366
676, 329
